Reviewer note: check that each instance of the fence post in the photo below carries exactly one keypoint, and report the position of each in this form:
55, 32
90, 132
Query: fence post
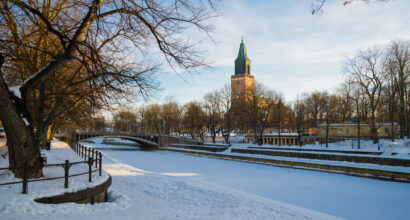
90, 164
85, 153
66, 167
82, 151
25, 172
96, 158
92, 153
100, 161
89, 152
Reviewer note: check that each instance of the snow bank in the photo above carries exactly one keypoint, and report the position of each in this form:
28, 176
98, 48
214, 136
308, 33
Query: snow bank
13, 204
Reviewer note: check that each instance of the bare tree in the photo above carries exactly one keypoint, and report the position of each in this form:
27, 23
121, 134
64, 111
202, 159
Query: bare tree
360, 106
212, 102
398, 73
61, 53
278, 115
194, 120
300, 117
367, 69
345, 102
124, 121
257, 110
226, 112
171, 113
154, 119
317, 5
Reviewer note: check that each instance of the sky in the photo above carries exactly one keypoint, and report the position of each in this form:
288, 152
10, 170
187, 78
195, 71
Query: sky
291, 50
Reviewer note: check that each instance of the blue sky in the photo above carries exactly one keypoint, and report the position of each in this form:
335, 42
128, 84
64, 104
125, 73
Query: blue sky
292, 51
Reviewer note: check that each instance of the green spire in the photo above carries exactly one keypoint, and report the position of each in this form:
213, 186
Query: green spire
242, 62
242, 52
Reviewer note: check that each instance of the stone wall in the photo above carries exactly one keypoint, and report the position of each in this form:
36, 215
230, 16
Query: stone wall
91, 195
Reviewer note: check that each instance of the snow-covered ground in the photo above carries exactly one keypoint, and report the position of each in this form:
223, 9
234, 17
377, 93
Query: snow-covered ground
179, 195
397, 149
180, 186
143, 194
167, 185
14, 205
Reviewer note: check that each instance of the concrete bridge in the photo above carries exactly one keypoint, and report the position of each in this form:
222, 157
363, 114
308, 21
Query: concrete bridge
144, 140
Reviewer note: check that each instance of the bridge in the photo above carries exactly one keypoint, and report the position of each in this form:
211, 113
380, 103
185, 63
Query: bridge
144, 140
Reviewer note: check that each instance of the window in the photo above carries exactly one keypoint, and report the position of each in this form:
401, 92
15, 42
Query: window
387, 131
249, 69
237, 82
347, 130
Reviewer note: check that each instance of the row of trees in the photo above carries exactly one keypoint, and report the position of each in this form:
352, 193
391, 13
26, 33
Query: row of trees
375, 90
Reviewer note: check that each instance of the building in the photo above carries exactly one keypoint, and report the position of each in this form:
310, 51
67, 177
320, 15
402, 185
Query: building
349, 129
273, 139
242, 82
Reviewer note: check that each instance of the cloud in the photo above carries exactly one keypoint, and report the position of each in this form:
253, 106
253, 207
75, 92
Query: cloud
291, 50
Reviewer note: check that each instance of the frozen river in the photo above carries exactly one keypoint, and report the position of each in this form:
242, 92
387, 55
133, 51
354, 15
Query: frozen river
335, 194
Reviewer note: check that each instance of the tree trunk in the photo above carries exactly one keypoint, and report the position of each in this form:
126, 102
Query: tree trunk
213, 135
21, 145
201, 136
392, 131
327, 134
358, 133
373, 128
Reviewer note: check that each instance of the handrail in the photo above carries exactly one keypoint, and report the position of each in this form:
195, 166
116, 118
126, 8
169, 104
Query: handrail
45, 179
81, 150
45, 165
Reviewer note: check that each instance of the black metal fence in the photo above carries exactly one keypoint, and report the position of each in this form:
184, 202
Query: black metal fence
90, 156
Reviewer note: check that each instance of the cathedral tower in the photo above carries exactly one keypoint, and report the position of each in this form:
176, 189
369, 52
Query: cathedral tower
242, 82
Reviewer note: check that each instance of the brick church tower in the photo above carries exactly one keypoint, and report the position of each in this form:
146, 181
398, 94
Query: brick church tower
242, 83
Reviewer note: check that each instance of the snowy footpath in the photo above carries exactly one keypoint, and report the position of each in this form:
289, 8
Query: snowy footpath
14, 205
139, 194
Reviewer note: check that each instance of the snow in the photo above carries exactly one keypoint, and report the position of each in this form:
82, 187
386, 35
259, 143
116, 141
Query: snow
316, 161
396, 149
143, 194
167, 185
25, 121
257, 187
16, 91
399, 148
15, 205
173, 195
